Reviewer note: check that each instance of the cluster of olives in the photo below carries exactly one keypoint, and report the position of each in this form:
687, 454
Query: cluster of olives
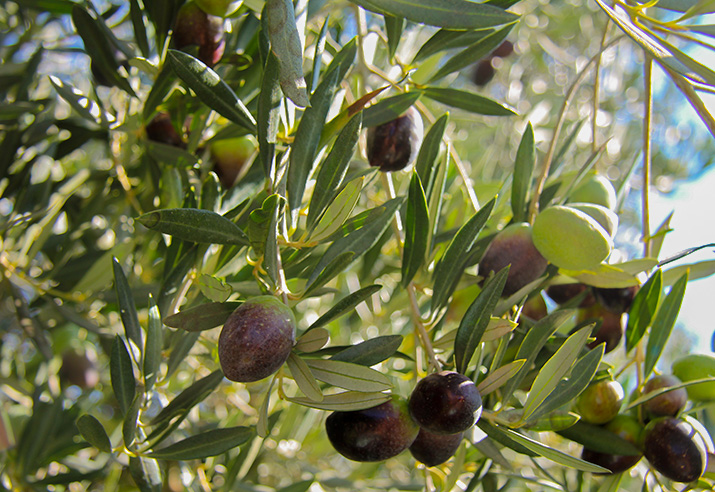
675, 445
256, 341
431, 424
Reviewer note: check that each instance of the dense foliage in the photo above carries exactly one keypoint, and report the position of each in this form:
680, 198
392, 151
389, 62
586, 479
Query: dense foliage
242, 241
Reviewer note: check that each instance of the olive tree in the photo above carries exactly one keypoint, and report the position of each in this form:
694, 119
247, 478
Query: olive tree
350, 245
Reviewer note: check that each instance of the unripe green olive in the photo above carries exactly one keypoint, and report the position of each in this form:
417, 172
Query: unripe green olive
600, 402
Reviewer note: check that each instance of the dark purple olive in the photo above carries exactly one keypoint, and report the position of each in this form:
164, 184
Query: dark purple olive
79, 370
374, 434
676, 448
445, 403
196, 27
563, 293
256, 339
513, 246
161, 129
503, 50
615, 300
668, 404
484, 72
611, 330
393, 146
434, 449
629, 429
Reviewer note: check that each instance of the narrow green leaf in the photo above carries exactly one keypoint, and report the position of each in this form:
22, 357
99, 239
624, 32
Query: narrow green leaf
312, 340
269, 114
663, 323
697, 270
388, 109
160, 89
202, 317
467, 101
333, 169
416, 231
394, 27
129, 425
446, 39
127, 308
360, 240
93, 432
182, 343
533, 342
307, 136
348, 375
657, 238
209, 443
146, 474
473, 53
188, 398
304, 378
338, 211
86, 107
263, 426
597, 438
135, 12
451, 266
643, 309
344, 402
497, 379
476, 319
652, 394
370, 352
523, 171
318, 56
568, 389
435, 197
122, 374
303, 486
99, 47
652, 45
345, 305
285, 43
153, 345
426, 164
554, 370
196, 225
552, 454
453, 14
213, 91
337, 264
498, 434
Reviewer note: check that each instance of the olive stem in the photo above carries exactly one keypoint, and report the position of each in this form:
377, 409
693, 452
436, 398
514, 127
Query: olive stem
534, 205
461, 169
414, 305
597, 89
647, 127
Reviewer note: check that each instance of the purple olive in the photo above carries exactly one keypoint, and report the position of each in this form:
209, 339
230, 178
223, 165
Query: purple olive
393, 146
445, 403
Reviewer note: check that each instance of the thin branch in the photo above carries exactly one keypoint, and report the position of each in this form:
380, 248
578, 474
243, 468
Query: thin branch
647, 129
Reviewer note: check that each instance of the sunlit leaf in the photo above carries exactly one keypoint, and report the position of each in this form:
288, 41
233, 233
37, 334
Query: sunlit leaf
192, 224
209, 443
663, 323
496, 379
348, 375
344, 402
416, 230
370, 352
643, 309
304, 378
285, 43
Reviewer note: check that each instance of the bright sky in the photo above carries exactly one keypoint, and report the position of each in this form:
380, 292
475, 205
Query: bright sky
694, 225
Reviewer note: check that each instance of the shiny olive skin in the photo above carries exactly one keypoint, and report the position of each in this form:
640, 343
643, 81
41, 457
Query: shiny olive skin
196, 27
513, 246
434, 449
615, 300
256, 339
611, 330
373, 434
393, 146
668, 404
675, 448
445, 403
563, 293
161, 129
600, 402
629, 429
